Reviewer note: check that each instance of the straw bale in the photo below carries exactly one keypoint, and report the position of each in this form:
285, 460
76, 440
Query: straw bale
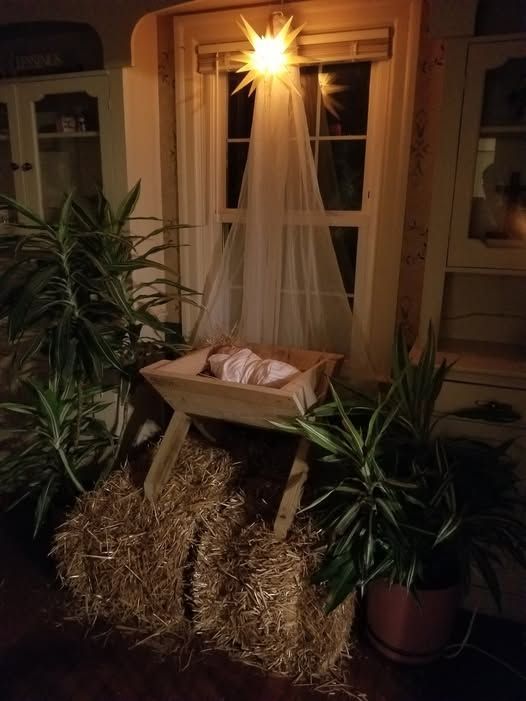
197, 563
253, 598
125, 560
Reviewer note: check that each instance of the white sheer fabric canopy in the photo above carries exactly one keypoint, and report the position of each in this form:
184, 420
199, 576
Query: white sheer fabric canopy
277, 279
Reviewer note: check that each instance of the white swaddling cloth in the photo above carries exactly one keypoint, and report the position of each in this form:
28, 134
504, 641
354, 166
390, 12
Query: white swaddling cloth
246, 368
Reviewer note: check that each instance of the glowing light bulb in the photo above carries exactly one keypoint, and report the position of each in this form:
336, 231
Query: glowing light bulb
270, 56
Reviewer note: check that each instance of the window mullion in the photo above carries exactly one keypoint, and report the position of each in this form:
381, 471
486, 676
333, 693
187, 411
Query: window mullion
221, 138
318, 120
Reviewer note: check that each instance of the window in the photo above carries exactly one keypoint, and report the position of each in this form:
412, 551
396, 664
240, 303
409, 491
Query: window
360, 146
336, 98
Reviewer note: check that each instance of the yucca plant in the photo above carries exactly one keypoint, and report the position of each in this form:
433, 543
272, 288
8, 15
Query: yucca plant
483, 523
58, 452
418, 384
71, 311
68, 289
365, 507
401, 503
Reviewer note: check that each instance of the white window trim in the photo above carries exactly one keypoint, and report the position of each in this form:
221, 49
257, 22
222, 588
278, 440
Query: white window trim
329, 47
388, 137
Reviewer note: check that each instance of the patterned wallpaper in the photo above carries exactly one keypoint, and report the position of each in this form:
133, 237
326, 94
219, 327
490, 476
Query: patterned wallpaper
426, 119
168, 142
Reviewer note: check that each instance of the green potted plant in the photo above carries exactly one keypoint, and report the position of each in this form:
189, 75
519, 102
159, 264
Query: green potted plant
407, 514
79, 329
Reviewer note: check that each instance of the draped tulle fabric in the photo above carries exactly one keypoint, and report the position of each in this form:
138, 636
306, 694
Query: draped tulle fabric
277, 279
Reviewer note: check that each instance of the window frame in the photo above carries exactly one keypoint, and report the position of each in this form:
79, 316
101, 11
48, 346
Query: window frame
380, 221
349, 218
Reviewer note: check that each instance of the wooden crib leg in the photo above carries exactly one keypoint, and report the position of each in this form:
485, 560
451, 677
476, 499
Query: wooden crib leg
166, 455
292, 495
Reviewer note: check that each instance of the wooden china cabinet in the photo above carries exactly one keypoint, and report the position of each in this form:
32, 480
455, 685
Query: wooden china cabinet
55, 135
475, 278
81, 129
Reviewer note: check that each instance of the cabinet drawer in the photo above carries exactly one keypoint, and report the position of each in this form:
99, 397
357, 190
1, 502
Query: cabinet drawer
466, 395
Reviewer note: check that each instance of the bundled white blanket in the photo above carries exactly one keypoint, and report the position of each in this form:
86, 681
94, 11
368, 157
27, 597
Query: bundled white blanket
247, 368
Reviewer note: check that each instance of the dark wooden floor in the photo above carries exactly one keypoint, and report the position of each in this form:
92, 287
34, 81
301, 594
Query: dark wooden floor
44, 658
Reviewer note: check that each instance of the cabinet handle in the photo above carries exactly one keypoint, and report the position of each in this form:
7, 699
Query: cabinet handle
14, 166
27, 166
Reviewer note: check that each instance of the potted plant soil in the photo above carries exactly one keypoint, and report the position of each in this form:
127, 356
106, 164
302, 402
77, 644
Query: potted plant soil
407, 514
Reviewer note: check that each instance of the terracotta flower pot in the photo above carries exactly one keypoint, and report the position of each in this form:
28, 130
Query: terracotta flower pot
406, 629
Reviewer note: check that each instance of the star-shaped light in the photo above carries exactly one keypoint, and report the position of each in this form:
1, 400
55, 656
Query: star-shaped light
328, 89
270, 56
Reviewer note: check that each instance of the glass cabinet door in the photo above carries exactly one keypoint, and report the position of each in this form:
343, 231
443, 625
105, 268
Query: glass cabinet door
8, 165
489, 210
62, 122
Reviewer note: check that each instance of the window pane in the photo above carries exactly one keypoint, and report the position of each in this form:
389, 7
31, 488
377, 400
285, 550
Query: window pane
340, 173
504, 102
345, 242
240, 108
309, 88
498, 206
66, 113
69, 148
4, 122
225, 232
69, 164
345, 98
7, 181
336, 98
236, 160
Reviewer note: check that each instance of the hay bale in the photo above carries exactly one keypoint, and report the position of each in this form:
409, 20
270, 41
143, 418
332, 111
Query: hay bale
253, 598
144, 568
125, 560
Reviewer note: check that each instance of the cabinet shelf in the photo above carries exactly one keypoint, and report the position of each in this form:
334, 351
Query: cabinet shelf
505, 243
503, 359
478, 358
68, 135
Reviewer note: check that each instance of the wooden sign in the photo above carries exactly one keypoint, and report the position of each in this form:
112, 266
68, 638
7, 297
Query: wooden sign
32, 64
47, 48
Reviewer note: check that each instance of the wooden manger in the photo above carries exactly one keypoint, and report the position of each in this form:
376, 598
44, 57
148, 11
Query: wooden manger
192, 393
